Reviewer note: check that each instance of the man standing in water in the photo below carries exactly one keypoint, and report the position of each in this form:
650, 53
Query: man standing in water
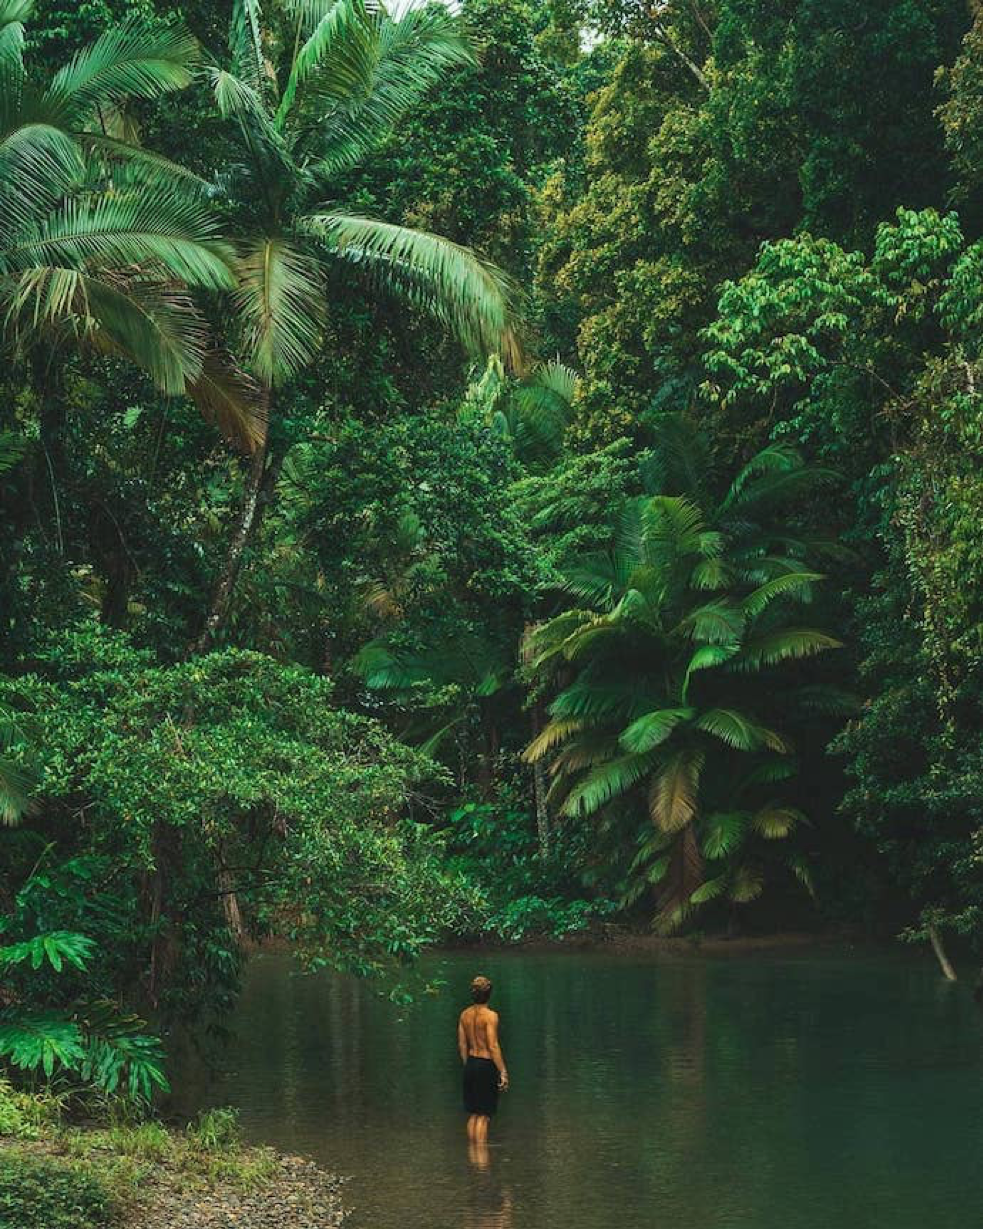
485, 1074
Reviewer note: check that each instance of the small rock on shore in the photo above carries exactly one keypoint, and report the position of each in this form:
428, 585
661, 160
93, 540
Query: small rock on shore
300, 1196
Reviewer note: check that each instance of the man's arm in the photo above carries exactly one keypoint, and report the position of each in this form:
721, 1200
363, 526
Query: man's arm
462, 1039
496, 1050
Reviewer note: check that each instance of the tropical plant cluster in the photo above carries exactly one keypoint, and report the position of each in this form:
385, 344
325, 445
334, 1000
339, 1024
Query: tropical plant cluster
483, 470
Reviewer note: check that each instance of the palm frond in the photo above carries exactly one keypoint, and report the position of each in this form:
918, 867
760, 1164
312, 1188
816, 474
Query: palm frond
786, 644
738, 730
17, 783
706, 657
135, 229
775, 823
231, 400
647, 732
780, 487
725, 832
39, 163
674, 526
709, 890
791, 584
551, 736
775, 459
606, 781
158, 330
674, 789
746, 884
680, 460
718, 622
13, 15
410, 56
134, 59
338, 60
472, 298
280, 301
270, 158
246, 44
593, 578
586, 750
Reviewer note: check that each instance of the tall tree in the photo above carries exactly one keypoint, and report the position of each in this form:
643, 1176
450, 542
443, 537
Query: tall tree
667, 693
345, 75
101, 239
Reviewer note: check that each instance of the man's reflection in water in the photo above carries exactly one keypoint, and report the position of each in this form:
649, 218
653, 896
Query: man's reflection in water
491, 1201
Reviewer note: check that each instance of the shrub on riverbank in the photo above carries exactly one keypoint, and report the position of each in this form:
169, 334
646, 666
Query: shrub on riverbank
139, 1175
40, 1192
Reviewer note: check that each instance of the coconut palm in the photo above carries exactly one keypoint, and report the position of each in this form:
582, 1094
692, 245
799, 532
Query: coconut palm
667, 677
311, 99
101, 240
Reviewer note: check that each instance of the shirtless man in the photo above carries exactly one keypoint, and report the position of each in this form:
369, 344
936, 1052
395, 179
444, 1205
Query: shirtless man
485, 1074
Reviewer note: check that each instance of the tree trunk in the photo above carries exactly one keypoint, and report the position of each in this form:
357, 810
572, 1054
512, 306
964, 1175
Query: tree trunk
936, 940
260, 483
542, 809
539, 791
50, 386
230, 900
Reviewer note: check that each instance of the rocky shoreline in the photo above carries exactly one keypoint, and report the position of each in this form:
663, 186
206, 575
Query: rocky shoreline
248, 1188
299, 1195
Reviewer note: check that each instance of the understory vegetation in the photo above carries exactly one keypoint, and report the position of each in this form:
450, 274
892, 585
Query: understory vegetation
475, 475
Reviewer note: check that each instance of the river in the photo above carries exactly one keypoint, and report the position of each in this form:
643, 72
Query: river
801, 1090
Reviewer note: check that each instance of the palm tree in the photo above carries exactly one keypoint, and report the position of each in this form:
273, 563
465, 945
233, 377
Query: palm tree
668, 676
310, 101
533, 413
100, 239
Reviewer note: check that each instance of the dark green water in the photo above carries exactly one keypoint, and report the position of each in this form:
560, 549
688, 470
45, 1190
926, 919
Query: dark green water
796, 1091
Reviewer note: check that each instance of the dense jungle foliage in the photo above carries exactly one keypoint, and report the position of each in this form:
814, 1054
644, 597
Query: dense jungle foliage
478, 471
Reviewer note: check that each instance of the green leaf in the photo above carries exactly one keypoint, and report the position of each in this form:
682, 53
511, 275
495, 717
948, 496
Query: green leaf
787, 644
746, 885
131, 59
280, 301
725, 832
654, 728
474, 299
607, 781
41, 1042
673, 793
709, 890
738, 731
55, 947
775, 823
792, 584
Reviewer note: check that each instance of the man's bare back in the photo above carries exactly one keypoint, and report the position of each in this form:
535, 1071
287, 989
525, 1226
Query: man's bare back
485, 1073
480, 1025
